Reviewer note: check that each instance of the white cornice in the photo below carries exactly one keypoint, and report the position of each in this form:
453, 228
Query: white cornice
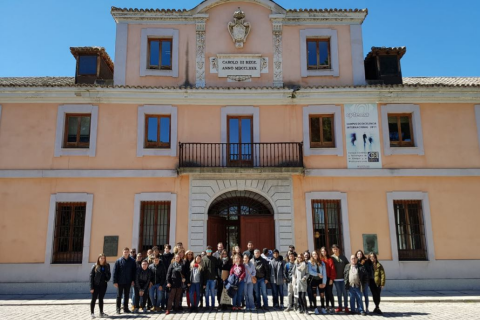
74, 173
352, 173
250, 96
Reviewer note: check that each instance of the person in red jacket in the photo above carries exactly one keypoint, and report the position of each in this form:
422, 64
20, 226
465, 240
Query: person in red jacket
238, 269
331, 275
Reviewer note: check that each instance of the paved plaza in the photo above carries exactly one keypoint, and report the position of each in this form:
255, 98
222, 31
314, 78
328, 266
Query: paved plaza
411, 305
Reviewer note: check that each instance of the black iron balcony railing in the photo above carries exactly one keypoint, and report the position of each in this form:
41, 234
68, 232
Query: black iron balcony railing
221, 155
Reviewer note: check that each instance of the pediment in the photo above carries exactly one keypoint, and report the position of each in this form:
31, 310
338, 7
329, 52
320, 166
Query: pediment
206, 5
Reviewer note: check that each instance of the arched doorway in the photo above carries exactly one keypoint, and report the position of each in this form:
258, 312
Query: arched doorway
237, 217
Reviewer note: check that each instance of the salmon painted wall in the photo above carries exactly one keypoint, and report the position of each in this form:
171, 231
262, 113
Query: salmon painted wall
452, 201
218, 40
23, 224
28, 132
186, 57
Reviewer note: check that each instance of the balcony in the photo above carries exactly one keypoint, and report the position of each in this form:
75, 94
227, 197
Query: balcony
239, 157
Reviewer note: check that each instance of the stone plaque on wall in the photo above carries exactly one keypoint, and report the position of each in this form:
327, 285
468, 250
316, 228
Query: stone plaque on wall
370, 244
110, 246
239, 67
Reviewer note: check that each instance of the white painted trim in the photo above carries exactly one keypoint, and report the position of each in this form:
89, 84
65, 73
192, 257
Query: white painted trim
385, 172
477, 119
247, 95
160, 110
423, 196
338, 128
319, 33
240, 111
154, 33
69, 197
417, 129
358, 65
121, 43
87, 173
204, 6
309, 196
161, 196
59, 134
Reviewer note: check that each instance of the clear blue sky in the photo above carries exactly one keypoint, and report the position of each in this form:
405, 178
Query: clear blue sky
442, 37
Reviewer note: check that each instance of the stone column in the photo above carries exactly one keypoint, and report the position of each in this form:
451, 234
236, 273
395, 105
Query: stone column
277, 54
200, 54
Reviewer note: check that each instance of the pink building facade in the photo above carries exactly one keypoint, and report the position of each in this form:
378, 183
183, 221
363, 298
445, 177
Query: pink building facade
238, 121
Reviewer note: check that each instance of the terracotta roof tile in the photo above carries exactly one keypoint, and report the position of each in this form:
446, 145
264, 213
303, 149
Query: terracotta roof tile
115, 9
327, 10
76, 51
386, 50
407, 82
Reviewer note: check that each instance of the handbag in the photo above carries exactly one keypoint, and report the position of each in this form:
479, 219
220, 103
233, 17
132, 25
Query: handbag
254, 279
224, 298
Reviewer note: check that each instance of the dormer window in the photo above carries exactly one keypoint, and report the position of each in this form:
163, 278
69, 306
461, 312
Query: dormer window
160, 54
87, 65
318, 54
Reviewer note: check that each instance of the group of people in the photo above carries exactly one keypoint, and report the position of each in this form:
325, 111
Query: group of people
239, 280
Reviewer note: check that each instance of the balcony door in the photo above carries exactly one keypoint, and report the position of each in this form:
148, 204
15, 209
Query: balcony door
240, 139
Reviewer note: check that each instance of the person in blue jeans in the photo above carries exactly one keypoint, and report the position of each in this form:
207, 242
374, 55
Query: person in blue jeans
158, 278
340, 261
210, 274
262, 269
356, 278
195, 282
238, 269
249, 273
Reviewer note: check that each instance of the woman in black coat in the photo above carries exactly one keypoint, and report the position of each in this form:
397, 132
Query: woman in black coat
175, 279
99, 276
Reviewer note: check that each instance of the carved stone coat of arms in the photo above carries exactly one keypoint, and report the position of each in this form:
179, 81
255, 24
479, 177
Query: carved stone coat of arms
238, 28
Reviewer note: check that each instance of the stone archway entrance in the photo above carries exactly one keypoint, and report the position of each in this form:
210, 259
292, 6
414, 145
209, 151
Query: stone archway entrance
237, 217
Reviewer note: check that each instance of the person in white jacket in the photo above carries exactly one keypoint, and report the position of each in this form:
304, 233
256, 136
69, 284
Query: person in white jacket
317, 280
300, 280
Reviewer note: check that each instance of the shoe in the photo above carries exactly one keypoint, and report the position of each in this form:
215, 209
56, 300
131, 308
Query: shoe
347, 310
379, 311
301, 311
323, 311
118, 311
338, 310
103, 315
93, 316
144, 310
363, 313
317, 312
127, 311
167, 313
288, 309
265, 309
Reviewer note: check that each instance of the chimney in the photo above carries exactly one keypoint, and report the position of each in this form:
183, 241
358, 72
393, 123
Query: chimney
382, 65
94, 66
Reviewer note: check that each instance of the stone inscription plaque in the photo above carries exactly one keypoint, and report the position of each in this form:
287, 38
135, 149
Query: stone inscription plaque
110, 246
239, 67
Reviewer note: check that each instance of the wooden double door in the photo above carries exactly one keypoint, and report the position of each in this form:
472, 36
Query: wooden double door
260, 229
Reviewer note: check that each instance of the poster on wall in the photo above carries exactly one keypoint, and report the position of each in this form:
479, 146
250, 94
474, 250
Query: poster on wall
362, 136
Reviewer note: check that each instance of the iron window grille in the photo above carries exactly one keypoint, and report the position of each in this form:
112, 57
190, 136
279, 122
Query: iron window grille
154, 224
410, 230
69, 232
327, 223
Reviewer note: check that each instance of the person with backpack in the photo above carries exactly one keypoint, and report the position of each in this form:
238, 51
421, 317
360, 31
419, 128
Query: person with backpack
99, 277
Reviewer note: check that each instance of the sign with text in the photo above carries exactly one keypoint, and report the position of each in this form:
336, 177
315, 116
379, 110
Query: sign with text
239, 67
362, 136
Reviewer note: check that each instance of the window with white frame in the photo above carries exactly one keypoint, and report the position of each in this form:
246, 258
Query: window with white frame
410, 226
76, 133
157, 131
159, 52
319, 52
322, 130
402, 129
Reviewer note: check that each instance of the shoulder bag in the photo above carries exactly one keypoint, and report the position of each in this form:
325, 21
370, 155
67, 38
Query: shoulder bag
254, 279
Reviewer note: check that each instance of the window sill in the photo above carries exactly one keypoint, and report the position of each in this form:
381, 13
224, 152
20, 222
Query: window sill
158, 73
321, 73
86, 152
156, 152
331, 151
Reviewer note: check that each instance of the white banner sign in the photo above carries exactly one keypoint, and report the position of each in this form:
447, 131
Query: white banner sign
362, 136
